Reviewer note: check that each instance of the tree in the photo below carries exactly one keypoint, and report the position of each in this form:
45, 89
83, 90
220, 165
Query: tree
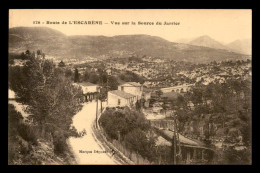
93, 78
103, 78
159, 93
76, 75
123, 121
61, 64
196, 96
130, 127
112, 83
180, 102
114, 122
68, 73
138, 105
137, 140
86, 76
23, 56
33, 54
234, 157
39, 52
51, 98
122, 77
19, 82
28, 52
102, 96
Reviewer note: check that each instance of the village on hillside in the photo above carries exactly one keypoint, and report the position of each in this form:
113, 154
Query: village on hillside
169, 95
130, 87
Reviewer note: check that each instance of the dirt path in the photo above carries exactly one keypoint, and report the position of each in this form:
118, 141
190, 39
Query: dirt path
85, 148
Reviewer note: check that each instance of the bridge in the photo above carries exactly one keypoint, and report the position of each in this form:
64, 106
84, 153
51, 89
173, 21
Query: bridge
179, 88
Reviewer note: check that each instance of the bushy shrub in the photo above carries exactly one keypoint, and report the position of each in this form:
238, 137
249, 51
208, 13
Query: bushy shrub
132, 128
163, 155
137, 141
20, 136
13, 120
27, 133
13, 151
122, 121
59, 142
236, 157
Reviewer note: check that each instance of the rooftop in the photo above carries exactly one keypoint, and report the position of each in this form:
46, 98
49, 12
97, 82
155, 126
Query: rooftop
122, 94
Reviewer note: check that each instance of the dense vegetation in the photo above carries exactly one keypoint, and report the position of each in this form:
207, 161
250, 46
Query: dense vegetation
51, 97
129, 76
131, 128
221, 111
20, 137
25, 147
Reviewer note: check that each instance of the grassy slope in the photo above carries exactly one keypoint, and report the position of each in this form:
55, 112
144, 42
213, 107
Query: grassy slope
23, 151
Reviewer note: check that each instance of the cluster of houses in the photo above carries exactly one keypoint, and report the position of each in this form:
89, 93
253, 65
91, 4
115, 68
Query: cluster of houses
128, 93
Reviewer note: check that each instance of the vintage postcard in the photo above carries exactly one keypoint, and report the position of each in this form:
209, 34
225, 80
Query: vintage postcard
130, 87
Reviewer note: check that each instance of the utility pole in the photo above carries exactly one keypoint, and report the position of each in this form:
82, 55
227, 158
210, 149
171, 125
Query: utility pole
97, 112
176, 140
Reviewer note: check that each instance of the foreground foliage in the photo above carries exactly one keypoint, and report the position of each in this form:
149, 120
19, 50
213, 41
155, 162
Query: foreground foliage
25, 147
51, 97
131, 128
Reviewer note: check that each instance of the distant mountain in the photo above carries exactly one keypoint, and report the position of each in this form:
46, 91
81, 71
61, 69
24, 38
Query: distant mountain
34, 38
55, 43
241, 46
207, 41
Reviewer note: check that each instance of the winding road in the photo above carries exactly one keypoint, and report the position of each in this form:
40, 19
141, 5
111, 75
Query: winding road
85, 148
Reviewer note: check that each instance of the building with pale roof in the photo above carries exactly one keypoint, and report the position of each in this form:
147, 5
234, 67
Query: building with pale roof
120, 98
126, 95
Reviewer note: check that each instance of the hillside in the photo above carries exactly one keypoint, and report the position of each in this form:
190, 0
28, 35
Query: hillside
241, 46
207, 41
24, 148
54, 43
33, 38
184, 40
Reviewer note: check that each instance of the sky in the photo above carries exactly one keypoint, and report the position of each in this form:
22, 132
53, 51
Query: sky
223, 25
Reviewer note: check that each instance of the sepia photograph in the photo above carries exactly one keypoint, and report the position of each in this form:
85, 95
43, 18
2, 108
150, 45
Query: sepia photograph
130, 87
